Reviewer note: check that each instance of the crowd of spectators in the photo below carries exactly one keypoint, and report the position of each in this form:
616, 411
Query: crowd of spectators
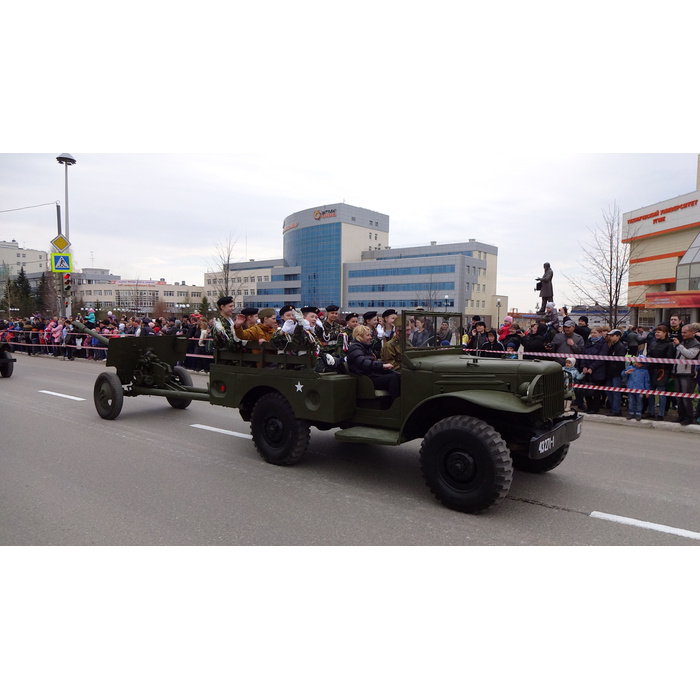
59, 337
555, 334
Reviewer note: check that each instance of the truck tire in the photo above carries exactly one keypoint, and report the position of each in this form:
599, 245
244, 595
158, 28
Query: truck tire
279, 436
180, 376
539, 466
6, 368
108, 395
466, 464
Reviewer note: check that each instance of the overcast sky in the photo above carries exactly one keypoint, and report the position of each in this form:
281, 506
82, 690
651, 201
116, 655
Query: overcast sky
162, 215
461, 122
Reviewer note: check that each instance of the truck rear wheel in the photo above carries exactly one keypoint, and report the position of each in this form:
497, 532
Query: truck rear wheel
466, 464
108, 395
539, 466
6, 368
180, 376
279, 436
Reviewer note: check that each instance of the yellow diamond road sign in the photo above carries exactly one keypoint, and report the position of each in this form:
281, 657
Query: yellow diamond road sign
60, 243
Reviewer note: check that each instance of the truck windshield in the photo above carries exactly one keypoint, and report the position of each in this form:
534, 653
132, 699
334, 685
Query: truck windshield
426, 330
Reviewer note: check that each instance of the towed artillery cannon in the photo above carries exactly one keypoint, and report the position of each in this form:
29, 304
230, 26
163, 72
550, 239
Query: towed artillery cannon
146, 366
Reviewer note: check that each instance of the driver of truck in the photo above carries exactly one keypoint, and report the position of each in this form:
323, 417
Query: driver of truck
391, 352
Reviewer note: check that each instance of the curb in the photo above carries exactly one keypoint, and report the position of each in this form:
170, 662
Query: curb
644, 423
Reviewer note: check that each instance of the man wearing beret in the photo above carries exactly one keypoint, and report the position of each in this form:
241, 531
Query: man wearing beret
288, 323
372, 321
223, 332
387, 324
331, 327
302, 336
345, 336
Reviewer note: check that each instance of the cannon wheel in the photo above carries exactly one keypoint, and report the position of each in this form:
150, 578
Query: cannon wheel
108, 395
6, 368
180, 376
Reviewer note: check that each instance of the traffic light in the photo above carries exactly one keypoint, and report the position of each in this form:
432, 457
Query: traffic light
66, 282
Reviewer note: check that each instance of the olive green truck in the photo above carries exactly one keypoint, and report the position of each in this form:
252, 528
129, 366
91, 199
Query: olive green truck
479, 418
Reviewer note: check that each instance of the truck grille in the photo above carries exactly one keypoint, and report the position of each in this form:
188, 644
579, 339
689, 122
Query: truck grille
552, 394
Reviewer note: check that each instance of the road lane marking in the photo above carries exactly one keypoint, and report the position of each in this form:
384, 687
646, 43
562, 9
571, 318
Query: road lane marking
63, 396
649, 526
221, 430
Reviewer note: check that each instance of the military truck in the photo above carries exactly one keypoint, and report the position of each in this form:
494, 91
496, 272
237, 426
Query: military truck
479, 417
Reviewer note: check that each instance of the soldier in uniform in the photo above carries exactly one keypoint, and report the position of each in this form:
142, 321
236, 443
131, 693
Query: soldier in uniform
345, 336
331, 327
300, 335
372, 321
251, 317
223, 332
391, 352
283, 335
387, 324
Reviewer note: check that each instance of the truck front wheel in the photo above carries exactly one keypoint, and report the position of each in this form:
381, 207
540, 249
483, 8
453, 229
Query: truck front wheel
279, 436
466, 464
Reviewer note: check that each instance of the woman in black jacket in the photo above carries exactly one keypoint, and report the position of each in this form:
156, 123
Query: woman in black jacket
594, 370
534, 341
661, 347
361, 360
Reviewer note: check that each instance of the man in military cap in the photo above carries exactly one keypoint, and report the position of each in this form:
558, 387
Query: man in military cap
331, 327
345, 336
391, 352
261, 332
223, 332
372, 321
251, 316
288, 323
387, 325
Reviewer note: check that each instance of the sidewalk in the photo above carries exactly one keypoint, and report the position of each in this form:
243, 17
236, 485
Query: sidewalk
668, 424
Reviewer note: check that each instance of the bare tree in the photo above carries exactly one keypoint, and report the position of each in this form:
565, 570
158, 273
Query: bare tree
604, 267
221, 264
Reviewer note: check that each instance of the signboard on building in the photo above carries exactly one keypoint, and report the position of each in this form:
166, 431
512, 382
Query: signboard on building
672, 300
671, 215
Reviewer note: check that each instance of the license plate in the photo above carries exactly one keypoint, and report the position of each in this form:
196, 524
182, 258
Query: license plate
552, 440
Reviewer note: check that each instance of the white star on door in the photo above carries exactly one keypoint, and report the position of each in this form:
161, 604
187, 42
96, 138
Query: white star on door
299, 386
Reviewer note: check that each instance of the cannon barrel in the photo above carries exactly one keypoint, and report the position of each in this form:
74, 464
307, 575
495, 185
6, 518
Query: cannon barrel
84, 329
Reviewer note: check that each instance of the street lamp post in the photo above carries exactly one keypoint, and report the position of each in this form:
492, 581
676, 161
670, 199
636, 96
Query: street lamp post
66, 159
498, 313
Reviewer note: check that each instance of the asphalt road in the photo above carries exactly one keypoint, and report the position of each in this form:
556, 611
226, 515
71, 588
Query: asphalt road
157, 475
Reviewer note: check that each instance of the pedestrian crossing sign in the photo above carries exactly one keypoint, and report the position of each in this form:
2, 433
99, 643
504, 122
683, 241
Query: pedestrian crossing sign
61, 262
